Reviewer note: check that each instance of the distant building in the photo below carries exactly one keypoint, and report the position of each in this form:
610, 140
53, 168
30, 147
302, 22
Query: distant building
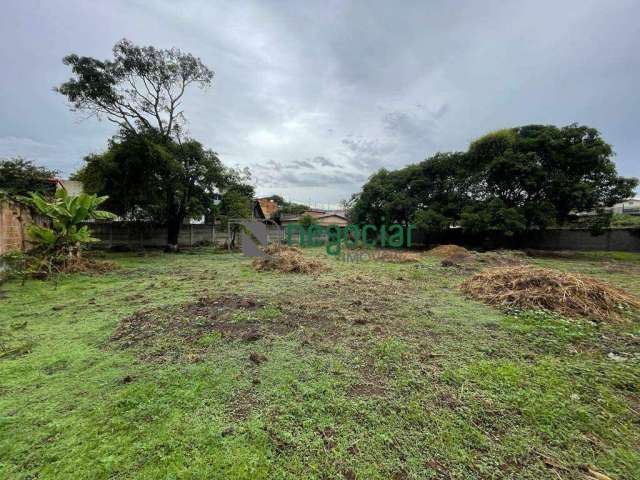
73, 187
631, 206
264, 208
324, 217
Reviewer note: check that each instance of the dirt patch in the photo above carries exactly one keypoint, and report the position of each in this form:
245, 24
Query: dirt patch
170, 333
530, 287
242, 405
337, 310
367, 389
285, 259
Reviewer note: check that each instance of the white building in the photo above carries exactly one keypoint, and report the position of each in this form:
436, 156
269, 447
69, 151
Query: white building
631, 206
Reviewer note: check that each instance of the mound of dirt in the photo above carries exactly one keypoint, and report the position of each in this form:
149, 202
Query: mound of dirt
530, 287
285, 259
448, 250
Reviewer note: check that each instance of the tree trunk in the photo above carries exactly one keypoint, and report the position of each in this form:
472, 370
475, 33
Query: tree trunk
173, 231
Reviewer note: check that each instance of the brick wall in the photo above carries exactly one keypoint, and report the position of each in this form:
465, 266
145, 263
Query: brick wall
14, 219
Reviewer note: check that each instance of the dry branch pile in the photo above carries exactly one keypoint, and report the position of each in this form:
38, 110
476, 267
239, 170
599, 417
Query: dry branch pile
288, 260
530, 287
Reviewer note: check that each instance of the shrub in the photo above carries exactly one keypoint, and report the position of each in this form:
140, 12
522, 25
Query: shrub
59, 246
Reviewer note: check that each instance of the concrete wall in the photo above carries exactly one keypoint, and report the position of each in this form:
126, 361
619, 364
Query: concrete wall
14, 220
624, 240
136, 235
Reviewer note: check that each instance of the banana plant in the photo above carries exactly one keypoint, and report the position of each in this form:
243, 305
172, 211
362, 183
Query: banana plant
66, 213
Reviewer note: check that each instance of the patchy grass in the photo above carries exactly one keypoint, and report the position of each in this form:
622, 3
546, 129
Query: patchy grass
197, 366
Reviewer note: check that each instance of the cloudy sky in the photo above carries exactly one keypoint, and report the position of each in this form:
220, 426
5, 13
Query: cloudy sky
315, 96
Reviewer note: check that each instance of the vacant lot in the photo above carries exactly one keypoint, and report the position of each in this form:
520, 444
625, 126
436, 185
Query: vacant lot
197, 366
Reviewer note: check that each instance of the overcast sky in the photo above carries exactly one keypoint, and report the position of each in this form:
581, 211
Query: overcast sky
315, 96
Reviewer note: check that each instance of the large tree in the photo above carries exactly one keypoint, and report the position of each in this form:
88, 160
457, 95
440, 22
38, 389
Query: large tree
538, 175
430, 193
510, 181
20, 177
150, 170
140, 89
154, 179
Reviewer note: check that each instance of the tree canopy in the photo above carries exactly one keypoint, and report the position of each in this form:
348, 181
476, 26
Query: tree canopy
20, 177
151, 178
140, 89
513, 180
151, 170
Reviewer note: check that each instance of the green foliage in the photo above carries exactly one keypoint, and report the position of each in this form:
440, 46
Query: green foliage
435, 385
236, 202
63, 240
510, 181
621, 220
431, 221
149, 171
437, 184
286, 208
140, 89
19, 177
153, 179
306, 220
493, 215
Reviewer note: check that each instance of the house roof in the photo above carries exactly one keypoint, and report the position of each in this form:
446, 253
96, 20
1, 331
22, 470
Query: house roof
295, 218
268, 207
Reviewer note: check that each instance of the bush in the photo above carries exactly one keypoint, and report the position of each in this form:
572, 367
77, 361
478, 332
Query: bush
621, 220
59, 247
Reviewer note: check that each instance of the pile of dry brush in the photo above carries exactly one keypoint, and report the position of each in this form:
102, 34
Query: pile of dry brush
530, 287
285, 259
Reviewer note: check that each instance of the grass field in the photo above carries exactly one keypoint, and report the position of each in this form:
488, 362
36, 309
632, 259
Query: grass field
194, 366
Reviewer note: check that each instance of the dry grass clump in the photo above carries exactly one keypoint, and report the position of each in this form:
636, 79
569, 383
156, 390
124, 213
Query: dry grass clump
530, 287
285, 259
278, 247
395, 257
470, 261
502, 258
448, 250
88, 265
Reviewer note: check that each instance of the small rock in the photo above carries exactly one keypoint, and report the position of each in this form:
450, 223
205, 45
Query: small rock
616, 358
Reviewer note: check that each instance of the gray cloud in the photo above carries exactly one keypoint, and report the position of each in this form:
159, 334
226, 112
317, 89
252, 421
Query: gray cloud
302, 164
336, 89
324, 161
